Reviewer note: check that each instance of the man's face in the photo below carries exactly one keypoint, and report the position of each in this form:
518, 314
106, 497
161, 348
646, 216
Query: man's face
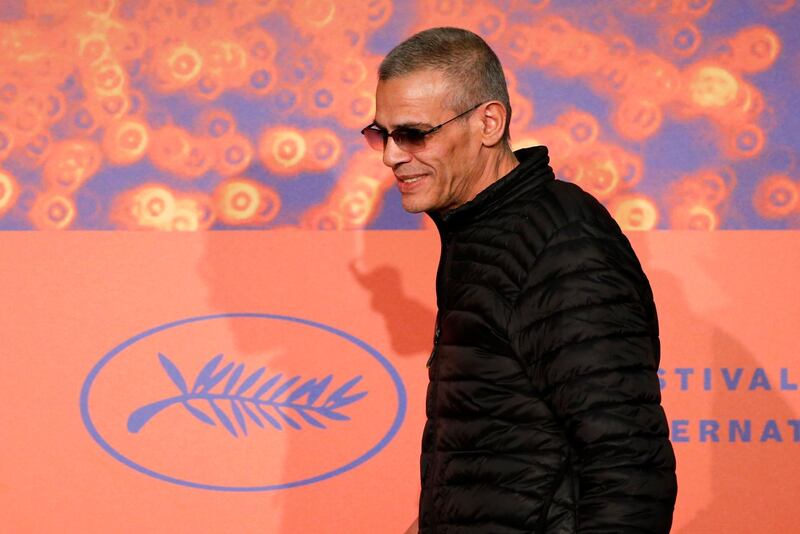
443, 173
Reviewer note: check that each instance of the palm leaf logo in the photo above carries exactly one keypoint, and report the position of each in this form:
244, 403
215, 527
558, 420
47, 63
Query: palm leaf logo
275, 403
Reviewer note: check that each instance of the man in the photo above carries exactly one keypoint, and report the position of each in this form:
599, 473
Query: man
544, 404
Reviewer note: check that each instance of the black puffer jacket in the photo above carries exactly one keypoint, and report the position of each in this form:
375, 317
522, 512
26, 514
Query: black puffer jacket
543, 406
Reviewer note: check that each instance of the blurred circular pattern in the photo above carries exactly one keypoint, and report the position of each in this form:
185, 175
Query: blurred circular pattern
126, 141
777, 197
242, 201
282, 150
234, 155
635, 212
52, 211
650, 105
70, 164
9, 191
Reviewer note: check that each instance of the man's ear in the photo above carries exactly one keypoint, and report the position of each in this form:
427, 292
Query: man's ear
493, 122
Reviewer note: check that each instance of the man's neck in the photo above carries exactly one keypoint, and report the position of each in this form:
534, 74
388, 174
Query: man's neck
497, 165
506, 163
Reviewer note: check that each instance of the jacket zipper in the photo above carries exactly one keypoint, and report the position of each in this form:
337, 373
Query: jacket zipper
436, 334
441, 286
433, 363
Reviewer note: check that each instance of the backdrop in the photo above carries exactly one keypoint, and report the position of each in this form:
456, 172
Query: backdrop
245, 114
274, 381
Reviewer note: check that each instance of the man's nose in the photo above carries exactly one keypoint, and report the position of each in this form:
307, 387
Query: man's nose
393, 155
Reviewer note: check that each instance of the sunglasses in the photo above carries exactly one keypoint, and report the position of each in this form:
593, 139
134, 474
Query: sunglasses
407, 139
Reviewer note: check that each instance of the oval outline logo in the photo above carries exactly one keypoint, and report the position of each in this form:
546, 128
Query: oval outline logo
372, 451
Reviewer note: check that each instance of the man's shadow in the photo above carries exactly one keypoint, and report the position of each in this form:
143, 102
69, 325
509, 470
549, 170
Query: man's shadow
740, 483
408, 321
237, 282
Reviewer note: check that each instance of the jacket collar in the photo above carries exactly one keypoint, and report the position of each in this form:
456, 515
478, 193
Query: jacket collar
533, 171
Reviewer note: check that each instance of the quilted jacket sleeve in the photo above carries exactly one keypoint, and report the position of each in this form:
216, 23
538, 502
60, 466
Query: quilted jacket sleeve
585, 326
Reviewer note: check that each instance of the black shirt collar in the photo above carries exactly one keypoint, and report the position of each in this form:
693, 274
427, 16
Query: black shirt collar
532, 171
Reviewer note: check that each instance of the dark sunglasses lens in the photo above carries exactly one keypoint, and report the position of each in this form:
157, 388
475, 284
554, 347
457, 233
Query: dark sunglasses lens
375, 138
409, 139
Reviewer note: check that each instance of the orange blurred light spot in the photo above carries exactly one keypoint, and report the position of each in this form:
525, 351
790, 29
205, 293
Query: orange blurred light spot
27, 122
613, 76
579, 54
322, 98
260, 45
262, 80
629, 166
126, 141
84, 120
282, 150
780, 6
177, 66
192, 213
150, 206
556, 139
572, 171
322, 218
199, 160
70, 164
312, 15
684, 38
270, 205
184, 62
709, 188
711, 86
582, 126
745, 141
208, 87
108, 78
358, 110
635, 212
601, 179
216, 123
755, 49
517, 42
287, 99
52, 211
324, 149
655, 78
637, 118
522, 112
351, 71
229, 61
169, 145
379, 12
234, 155
36, 150
93, 48
245, 201
715, 187
547, 39
114, 106
692, 8
487, 21
776, 197
356, 208
694, 217
9, 191
128, 42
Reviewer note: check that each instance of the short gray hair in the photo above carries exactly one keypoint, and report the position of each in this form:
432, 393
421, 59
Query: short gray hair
471, 67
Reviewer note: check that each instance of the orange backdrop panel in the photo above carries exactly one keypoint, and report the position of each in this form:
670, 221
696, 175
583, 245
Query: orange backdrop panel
73, 306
